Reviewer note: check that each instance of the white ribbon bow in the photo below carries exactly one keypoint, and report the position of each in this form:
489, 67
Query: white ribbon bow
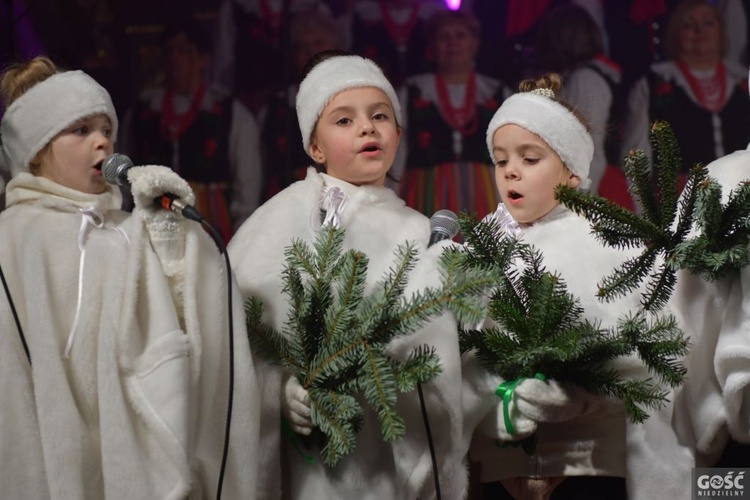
333, 202
90, 217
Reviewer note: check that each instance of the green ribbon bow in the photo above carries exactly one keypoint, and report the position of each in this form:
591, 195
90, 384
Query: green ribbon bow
505, 391
287, 429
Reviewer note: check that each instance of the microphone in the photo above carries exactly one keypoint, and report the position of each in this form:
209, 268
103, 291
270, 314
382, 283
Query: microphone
443, 226
115, 169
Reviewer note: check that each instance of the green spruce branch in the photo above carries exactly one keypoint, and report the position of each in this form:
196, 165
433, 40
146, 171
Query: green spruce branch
335, 337
665, 225
538, 328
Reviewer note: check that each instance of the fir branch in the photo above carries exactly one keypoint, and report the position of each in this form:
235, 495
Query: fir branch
264, 341
336, 335
665, 225
538, 328
613, 224
638, 172
667, 157
421, 366
628, 276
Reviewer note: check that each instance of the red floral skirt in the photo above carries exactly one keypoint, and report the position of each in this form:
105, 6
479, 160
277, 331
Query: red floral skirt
457, 186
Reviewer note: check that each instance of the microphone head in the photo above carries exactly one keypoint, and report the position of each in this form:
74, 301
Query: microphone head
115, 169
444, 222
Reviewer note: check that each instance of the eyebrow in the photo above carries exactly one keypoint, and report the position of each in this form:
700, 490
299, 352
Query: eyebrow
372, 106
524, 147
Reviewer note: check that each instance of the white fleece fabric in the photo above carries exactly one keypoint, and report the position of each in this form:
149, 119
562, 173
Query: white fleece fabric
602, 442
138, 411
376, 222
713, 402
732, 357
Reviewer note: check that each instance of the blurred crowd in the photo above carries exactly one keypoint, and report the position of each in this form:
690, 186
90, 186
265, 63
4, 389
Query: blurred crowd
208, 87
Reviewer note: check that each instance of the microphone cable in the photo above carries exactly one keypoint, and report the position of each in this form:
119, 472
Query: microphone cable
433, 456
15, 315
230, 315
443, 226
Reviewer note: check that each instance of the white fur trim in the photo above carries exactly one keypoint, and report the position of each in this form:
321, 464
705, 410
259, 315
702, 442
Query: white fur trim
331, 77
554, 123
45, 110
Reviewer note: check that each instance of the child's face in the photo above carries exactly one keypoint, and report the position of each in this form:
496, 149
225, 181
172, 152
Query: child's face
356, 136
527, 172
76, 155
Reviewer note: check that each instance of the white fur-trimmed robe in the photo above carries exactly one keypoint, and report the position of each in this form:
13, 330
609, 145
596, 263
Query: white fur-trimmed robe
656, 456
714, 401
138, 410
376, 222
732, 356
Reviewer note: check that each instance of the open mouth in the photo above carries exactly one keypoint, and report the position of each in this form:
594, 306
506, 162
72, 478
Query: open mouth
370, 148
514, 195
98, 165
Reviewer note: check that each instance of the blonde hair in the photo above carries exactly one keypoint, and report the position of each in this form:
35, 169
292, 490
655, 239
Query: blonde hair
16, 80
672, 37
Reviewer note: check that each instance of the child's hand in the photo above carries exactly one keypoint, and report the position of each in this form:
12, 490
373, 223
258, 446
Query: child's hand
493, 425
552, 401
295, 405
148, 182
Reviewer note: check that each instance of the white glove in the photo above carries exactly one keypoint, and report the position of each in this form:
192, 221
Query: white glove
295, 405
165, 228
148, 182
552, 401
495, 427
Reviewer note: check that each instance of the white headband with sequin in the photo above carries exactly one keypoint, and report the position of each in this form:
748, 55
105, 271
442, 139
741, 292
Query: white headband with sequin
554, 123
329, 78
45, 110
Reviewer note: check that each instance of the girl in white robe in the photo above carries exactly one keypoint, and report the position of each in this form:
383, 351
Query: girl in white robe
349, 116
585, 445
114, 355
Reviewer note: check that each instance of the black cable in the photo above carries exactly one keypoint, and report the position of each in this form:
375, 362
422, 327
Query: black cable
429, 441
223, 249
15, 315
22, 14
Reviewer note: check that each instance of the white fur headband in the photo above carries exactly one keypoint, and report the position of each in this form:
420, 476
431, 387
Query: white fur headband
331, 77
45, 110
554, 123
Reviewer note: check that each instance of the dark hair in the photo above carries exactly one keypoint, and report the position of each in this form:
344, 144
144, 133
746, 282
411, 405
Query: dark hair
671, 38
321, 56
193, 31
567, 36
552, 81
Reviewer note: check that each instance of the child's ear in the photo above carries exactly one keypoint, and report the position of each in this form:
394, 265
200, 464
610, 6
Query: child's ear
317, 154
574, 180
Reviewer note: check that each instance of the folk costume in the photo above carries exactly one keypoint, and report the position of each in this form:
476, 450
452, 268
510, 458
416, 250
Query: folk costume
210, 140
445, 164
707, 110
